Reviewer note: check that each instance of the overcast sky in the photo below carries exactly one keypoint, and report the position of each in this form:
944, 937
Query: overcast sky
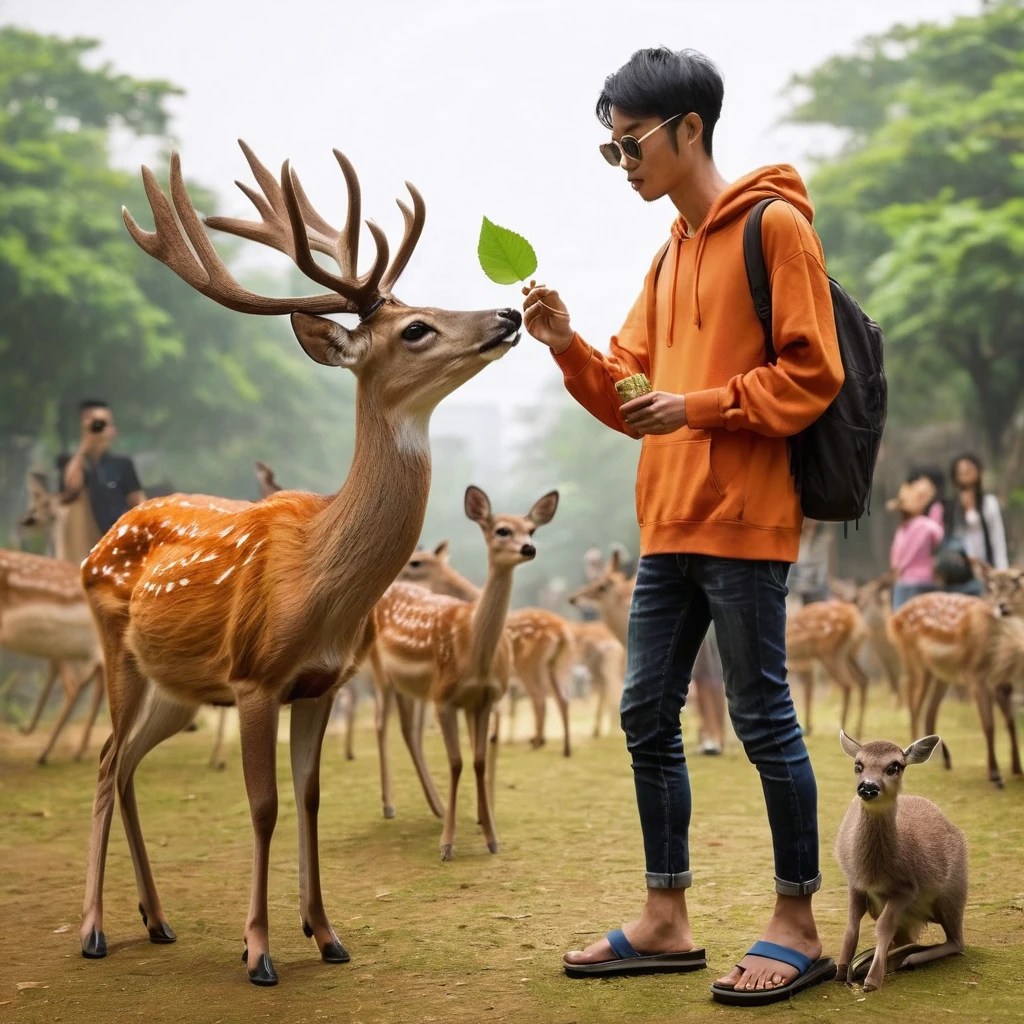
486, 105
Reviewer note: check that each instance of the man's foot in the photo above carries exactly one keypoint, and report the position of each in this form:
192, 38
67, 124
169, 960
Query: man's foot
664, 927
792, 925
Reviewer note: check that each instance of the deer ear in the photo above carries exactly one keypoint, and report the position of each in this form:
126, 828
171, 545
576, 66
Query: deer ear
615, 562
478, 505
37, 482
442, 550
544, 509
851, 746
920, 750
327, 342
982, 570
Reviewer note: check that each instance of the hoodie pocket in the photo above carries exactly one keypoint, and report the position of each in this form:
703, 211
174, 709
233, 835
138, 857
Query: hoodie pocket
674, 481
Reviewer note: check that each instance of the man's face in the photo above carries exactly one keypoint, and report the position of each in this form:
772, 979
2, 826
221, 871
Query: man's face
662, 168
103, 436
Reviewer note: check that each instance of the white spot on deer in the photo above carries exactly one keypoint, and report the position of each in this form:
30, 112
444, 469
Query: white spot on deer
241, 540
183, 582
185, 504
226, 530
122, 530
225, 574
209, 558
170, 586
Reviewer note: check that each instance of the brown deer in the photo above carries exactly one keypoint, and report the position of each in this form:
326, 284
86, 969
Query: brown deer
457, 654
204, 601
947, 638
905, 864
874, 599
69, 526
44, 614
604, 658
829, 632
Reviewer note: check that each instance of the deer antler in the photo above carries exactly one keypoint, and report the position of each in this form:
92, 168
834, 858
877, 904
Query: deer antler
289, 223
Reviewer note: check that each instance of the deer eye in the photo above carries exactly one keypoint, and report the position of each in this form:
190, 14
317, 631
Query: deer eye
503, 531
858, 767
415, 565
893, 769
416, 331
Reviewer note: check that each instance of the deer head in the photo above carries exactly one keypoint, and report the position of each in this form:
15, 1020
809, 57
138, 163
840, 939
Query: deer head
431, 569
410, 358
43, 505
509, 538
606, 589
879, 766
1004, 588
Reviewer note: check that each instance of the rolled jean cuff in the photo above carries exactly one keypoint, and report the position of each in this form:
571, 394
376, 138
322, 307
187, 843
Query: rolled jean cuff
784, 888
675, 880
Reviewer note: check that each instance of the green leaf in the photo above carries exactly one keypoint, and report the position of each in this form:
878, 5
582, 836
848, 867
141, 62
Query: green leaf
505, 256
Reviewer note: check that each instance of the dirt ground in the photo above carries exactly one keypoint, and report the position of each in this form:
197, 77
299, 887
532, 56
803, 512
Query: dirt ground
478, 939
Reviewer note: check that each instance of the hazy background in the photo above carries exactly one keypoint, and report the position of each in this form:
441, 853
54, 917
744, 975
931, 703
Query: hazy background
488, 108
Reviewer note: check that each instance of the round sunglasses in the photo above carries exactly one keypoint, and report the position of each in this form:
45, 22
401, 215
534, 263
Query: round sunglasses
613, 151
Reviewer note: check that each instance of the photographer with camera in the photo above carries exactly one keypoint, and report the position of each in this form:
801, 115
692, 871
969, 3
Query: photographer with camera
109, 480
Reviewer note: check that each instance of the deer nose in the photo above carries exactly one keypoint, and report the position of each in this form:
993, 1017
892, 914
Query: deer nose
513, 316
868, 790
528, 551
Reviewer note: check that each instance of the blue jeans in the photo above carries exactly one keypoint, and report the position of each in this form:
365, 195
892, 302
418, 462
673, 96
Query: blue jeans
903, 592
675, 599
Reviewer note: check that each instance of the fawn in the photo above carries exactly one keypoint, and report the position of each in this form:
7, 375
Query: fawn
905, 864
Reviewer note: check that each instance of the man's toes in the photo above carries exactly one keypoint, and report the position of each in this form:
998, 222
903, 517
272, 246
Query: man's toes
731, 980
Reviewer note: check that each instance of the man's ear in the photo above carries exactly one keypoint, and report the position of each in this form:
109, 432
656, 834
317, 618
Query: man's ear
328, 343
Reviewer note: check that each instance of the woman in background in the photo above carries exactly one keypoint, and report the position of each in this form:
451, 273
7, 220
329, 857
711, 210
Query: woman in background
974, 517
916, 539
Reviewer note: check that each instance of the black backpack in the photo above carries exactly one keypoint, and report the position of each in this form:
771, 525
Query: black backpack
833, 460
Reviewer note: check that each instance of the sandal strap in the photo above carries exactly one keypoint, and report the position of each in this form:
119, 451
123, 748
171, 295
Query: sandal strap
785, 955
621, 946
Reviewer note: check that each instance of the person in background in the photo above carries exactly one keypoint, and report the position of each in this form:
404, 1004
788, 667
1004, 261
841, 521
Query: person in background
974, 517
709, 695
109, 480
808, 579
915, 541
593, 569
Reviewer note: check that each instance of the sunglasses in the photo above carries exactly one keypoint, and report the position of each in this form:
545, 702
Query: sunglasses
613, 151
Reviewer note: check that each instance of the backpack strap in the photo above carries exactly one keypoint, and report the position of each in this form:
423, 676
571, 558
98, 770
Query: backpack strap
757, 273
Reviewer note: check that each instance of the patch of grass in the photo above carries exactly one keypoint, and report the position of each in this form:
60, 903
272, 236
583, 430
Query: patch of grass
478, 939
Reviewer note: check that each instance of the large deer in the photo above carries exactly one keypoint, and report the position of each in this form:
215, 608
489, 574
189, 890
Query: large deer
43, 614
829, 632
945, 639
457, 654
258, 605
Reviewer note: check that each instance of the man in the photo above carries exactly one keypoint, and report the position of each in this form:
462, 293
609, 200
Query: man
719, 517
109, 480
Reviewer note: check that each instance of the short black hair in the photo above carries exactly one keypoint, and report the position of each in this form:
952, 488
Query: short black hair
934, 474
91, 403
659, 82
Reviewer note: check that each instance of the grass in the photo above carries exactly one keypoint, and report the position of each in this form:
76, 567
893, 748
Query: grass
478, 939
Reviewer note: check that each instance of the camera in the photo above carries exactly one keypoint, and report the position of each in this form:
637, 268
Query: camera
97, 426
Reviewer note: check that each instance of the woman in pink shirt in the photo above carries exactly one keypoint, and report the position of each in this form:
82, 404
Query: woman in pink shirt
916, 539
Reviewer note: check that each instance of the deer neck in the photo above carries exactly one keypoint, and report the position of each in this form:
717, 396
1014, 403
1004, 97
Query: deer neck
878, 840
456, 585
489, 617
359, 543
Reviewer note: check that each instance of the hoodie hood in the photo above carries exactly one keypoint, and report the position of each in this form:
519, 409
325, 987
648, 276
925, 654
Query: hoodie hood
781, 180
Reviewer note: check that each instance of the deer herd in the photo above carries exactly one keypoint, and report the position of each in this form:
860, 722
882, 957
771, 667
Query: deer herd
193, 600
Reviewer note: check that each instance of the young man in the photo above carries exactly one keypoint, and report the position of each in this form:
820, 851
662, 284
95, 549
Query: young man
719, 517
109, 480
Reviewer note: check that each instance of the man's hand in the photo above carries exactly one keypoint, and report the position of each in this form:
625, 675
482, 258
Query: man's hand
546, 317
657, 412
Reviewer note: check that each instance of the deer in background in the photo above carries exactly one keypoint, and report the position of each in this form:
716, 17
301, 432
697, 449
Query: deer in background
457, 654
203, 601
874, 599
604, 658
905, 864
44, 614
829, 632
947, 638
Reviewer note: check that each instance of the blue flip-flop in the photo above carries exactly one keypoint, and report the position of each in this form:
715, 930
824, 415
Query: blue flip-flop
812, 972
629, 961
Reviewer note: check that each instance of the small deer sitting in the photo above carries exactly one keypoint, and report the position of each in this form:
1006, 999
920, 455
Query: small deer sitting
905, 864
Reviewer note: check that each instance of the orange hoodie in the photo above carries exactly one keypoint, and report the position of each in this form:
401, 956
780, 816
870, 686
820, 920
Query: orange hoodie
721, 485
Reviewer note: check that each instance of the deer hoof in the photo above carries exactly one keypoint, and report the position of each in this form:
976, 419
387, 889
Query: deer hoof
389, 811
335, 953
446, 851
493, 846
870, 985
95, 946
996, 780
161, 934
263, 973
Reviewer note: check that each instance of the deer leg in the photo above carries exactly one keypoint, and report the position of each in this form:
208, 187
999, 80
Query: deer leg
73, 692
158, 719
1004, 699
562, 701
513, 704
937, 691
492, 756
385, 696
126, 691
411, 717
308, 725
481, 718
446, 715
860, 680
257, 727
53, 669
96, 675
983, 699
540, 713
858, 907
217, 760
599, 682
349, 699
885, 929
